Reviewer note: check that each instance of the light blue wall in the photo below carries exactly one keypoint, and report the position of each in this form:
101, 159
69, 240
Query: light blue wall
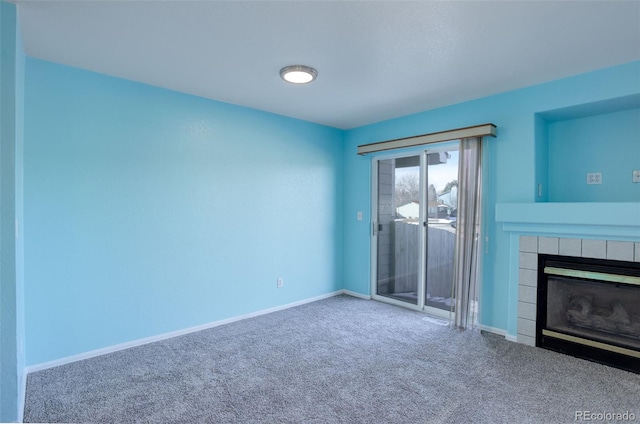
607, 143
19, 198
11, 357
542, 158
149, 211
512, 173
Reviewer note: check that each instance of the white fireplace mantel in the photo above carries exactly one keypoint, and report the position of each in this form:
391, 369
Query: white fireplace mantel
619, 221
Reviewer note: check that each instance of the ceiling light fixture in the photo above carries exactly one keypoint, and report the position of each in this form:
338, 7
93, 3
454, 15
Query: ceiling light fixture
298, 74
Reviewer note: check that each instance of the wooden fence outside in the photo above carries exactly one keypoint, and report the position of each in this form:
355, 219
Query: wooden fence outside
441, 240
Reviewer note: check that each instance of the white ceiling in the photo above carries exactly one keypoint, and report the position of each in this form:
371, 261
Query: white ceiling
375, 59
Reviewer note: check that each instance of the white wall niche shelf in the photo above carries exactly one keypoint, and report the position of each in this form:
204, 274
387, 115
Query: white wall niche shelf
598, 219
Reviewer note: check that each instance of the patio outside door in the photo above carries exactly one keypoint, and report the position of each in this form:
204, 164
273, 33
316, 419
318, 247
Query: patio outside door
397, 229
414, 229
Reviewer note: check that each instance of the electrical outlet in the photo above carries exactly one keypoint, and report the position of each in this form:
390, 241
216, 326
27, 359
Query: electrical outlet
280, 282
359, 216
636, 176
594, 178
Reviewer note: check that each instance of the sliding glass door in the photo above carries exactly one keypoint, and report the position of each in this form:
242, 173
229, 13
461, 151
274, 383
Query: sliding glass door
397, 229
442, 216
414, 229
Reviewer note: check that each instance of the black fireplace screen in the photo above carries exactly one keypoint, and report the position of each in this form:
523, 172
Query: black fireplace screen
590, 308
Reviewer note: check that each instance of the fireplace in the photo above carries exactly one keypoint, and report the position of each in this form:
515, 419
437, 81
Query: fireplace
590, 308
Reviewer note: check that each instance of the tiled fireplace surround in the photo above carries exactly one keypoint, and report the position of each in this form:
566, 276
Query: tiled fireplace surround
531, 246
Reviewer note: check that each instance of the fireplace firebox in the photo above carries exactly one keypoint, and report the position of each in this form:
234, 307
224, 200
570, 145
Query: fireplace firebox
590, 308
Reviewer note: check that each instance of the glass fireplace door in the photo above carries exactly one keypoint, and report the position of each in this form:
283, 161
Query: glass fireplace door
589, 308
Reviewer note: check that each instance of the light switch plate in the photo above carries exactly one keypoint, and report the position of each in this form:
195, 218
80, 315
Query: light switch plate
636, 176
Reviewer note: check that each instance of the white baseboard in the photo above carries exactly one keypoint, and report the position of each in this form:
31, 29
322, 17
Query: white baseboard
511, 337
164, 336
498, 331
494, 330
356, 294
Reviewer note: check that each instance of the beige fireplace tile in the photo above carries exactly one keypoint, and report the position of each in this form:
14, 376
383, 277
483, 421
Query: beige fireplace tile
570, 247
637, 254
526, 327
527, 294
620, 250
528, 277
527, 310
528, 340
528, 260
548, 245
594, 249
529, 244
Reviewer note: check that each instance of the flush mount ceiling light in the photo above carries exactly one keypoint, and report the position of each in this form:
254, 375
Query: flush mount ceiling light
298, 74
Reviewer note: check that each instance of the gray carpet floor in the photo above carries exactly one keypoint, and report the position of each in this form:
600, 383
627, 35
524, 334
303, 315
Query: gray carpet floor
338, 360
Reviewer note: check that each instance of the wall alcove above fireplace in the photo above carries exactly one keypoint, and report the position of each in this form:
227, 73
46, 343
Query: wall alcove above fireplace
600, 137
